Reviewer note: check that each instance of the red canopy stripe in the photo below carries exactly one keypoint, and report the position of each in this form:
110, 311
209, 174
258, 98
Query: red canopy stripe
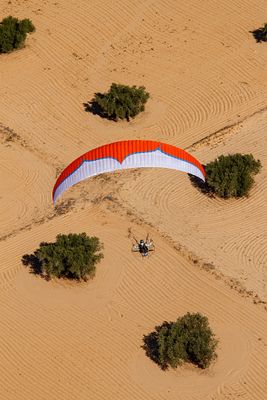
120, 150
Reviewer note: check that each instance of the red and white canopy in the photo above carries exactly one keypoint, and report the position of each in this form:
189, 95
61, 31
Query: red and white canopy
123, 155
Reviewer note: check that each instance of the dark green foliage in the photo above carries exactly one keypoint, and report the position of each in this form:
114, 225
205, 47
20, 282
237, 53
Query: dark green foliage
188, 339
13, 33
120, 102
260, 34
72, 256
231, 176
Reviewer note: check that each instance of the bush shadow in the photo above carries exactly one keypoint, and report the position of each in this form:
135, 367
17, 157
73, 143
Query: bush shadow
34, 263
94, 108
151, 345
259, 35
201, 186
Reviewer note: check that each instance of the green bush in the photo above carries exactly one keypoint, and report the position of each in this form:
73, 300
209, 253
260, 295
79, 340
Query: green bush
188, 339
120, 102
13, 33
260, 34
72, 256
232, 175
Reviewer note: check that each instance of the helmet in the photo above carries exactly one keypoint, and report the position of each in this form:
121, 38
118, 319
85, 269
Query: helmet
142, 242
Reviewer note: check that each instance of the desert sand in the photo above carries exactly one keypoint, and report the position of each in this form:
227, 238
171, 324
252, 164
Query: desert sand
207, 78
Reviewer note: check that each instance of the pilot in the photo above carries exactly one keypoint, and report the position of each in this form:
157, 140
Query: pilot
143, 248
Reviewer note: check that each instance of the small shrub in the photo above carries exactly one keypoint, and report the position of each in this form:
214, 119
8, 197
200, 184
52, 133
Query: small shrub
231, 176
72, 256
120, 102
13, 33
260, 34
188, 339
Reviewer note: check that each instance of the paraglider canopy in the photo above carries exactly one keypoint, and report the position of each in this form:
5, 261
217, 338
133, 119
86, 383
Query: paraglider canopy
124, 155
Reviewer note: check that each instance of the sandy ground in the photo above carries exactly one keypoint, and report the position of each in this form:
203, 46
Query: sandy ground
207, 80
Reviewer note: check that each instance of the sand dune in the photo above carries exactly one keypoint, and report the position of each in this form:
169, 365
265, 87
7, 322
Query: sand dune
204, 72
24, 189
69, 341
